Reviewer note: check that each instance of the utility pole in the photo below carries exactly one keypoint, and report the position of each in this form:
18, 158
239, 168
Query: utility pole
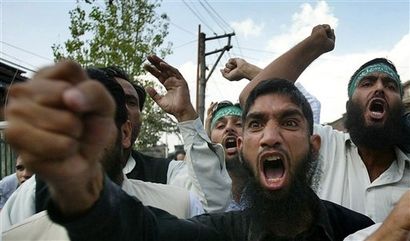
201, 68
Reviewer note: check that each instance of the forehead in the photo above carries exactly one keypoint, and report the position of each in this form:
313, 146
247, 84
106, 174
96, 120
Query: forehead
377, 74
229, 118
19, 161
274, 104
127, 87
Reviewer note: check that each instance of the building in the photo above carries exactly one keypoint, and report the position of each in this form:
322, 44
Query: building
8, 76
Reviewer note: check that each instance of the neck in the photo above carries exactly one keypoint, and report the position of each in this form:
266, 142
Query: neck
238, 183
125, 156
376, 161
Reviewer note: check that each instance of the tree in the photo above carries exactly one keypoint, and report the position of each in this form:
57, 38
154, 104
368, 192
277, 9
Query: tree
121, 33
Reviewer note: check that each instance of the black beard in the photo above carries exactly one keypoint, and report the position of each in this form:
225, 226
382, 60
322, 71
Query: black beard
280, 212
111, 162
376, 136
234, 166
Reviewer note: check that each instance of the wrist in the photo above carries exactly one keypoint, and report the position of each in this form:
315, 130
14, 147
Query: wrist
250, 71
316, 46
189, 114
77, 195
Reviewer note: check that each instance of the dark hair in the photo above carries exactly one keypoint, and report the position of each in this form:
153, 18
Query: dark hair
372, 62
281, 87
116, 92
117, 72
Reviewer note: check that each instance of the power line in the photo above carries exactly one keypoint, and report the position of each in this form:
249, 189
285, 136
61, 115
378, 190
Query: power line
239, 47
212, 16
260, 50
24, 50
215, 16
181, 28
219, 16
197, 15
182, 45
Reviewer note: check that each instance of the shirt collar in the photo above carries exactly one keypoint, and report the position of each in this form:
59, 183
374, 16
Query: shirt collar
129, 166
401, 156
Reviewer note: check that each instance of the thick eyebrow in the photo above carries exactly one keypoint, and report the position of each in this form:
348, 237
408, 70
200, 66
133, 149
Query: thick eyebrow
388, 79
131, 97
255, 115
282, 114
292, 112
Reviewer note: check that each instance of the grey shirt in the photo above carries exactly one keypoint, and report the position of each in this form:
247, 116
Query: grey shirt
8, 185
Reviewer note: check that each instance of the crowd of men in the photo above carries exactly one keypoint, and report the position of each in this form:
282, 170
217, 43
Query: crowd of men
262, 169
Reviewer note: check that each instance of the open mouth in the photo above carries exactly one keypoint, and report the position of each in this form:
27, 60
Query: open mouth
274, 171
230, 144
377, 108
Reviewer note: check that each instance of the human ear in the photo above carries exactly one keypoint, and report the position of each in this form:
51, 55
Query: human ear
126, 130
315, 142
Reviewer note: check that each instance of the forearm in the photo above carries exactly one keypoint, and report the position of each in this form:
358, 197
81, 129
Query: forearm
391, 233
114, 216
205, 169
250, 71
288, 66
77, 195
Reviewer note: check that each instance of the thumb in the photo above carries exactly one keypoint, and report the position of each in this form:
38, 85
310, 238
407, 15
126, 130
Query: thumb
90, 97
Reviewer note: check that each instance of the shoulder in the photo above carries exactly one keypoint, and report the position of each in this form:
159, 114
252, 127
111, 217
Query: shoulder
9, 180
345, 221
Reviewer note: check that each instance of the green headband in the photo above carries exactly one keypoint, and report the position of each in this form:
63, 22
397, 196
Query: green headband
379, 67
231, 110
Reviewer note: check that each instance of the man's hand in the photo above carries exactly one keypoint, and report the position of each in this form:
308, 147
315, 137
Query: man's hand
237, 69
58, 122
291, 64
323, 37
176, 101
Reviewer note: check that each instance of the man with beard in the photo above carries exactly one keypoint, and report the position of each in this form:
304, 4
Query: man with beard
277, 146
223, 125
201, 155
136, 164
173, 199
363, 170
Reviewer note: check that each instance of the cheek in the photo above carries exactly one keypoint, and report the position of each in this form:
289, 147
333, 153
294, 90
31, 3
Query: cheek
250, 150
239, 131
133, 115
19, 174
216, 136
298, 147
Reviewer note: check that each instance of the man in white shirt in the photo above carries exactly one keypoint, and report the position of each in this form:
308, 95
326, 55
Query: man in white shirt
363, 170
201, 155
10, 183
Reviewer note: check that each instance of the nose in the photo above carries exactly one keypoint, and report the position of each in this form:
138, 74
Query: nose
230, 127
271, 136
27, 174
379, 88
379, 84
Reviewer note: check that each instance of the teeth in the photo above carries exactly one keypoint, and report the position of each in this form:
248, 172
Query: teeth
273, 179
273, 158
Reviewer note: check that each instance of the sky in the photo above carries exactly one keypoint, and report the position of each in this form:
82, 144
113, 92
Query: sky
264, 30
